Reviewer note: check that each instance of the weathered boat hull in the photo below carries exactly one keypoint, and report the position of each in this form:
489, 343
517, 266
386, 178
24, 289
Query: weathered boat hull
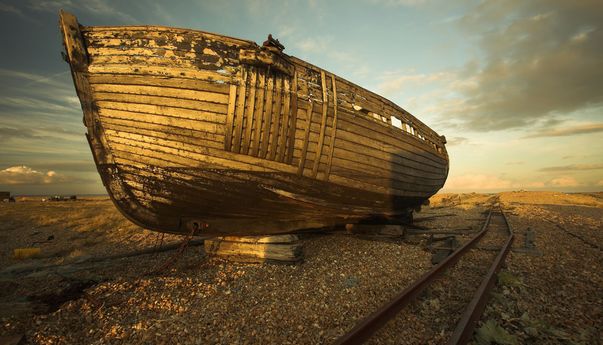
198, 132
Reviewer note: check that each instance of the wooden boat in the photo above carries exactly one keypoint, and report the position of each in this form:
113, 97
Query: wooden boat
195, 132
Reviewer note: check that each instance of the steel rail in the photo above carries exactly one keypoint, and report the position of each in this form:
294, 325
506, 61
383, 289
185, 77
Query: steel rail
464, 328
371, 324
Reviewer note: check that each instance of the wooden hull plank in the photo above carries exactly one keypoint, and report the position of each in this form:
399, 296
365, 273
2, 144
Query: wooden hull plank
162, 81
259, 115
267, 116
285, 125
293, 127
232, 99
323, 123
304, 151
333, 130
276, 117
239, 112
250, 110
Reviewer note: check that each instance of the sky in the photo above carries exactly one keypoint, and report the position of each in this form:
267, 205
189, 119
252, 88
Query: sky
516, 86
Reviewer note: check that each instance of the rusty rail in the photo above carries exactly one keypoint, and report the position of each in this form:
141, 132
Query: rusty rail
371, 324
464, 330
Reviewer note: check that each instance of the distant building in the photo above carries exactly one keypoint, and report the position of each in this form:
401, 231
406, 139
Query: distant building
5, 196
61, 198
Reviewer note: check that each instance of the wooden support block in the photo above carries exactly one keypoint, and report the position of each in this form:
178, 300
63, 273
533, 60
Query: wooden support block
277, 248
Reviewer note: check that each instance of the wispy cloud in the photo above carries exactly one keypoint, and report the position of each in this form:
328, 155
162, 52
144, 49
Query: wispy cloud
408, 3
97, 7
42, 133
32, 79
163, 13
395, 82
567, 131
8, 133
565, 181
39, 114
489, 182
477, 182
10, 8
457, 141
314, 44
36, 94
573, 167
346, 59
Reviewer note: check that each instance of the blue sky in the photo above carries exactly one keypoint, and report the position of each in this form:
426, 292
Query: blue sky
515, 86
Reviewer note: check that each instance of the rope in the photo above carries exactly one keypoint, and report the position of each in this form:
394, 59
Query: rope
175, 257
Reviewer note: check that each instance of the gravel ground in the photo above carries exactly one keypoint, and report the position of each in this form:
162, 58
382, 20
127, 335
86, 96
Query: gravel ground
84, 228
556, 297
212, 301
342, 279
432, 318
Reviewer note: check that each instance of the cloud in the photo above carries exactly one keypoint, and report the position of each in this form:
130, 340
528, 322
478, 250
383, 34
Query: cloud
7, 133
72, 166
573, 167
38, 94
10, 8
408, 3
96, 7
477, 182
600, 183
535, 184
515, 163
539, 60
314, 44
43, 133
567, 131
22, 174
457, 141
34, 78
485, 182
36, 106
323, 46
564, 182
395, 82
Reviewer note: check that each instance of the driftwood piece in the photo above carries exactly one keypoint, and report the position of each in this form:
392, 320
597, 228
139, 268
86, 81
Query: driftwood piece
278, 248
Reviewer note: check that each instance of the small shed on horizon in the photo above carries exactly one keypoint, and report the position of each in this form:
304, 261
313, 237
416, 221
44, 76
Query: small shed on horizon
4, 196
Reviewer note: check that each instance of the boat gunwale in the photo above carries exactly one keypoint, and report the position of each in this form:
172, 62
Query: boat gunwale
164, 28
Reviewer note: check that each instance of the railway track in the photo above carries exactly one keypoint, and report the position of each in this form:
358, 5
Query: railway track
494, 231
